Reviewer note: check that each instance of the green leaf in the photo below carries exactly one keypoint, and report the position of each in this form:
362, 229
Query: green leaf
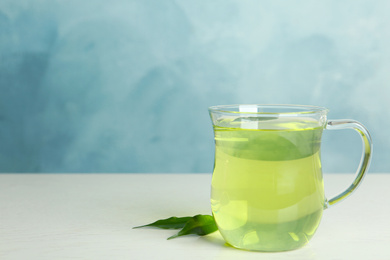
169, 223
200, 225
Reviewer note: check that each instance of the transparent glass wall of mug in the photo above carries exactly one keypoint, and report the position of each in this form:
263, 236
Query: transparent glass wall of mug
267, 188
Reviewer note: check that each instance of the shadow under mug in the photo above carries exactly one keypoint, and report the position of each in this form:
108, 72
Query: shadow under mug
267, 189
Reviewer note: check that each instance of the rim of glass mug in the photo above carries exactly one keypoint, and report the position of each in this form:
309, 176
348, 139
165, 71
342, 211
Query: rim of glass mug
268, 109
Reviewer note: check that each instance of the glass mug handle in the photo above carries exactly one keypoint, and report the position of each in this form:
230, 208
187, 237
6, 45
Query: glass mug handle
364, 161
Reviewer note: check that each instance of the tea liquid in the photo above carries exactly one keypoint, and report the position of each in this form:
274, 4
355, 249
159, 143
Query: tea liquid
267, 188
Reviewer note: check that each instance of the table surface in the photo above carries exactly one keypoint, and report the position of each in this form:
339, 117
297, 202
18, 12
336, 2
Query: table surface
90, 216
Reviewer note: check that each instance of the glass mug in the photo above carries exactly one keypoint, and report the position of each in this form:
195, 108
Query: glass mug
267, 189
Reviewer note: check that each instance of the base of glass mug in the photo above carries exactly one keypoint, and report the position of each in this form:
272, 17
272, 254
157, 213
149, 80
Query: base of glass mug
267, 240
265, 249
270, 237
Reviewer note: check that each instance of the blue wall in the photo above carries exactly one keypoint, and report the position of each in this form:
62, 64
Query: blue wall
124, 86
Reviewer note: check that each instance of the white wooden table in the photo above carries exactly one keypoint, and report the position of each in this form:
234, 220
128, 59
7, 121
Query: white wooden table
90, 216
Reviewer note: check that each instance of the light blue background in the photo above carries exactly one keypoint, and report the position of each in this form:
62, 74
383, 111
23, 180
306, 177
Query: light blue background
124, 86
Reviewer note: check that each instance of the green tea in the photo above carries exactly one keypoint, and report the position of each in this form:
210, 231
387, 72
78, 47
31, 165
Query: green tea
267, 188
